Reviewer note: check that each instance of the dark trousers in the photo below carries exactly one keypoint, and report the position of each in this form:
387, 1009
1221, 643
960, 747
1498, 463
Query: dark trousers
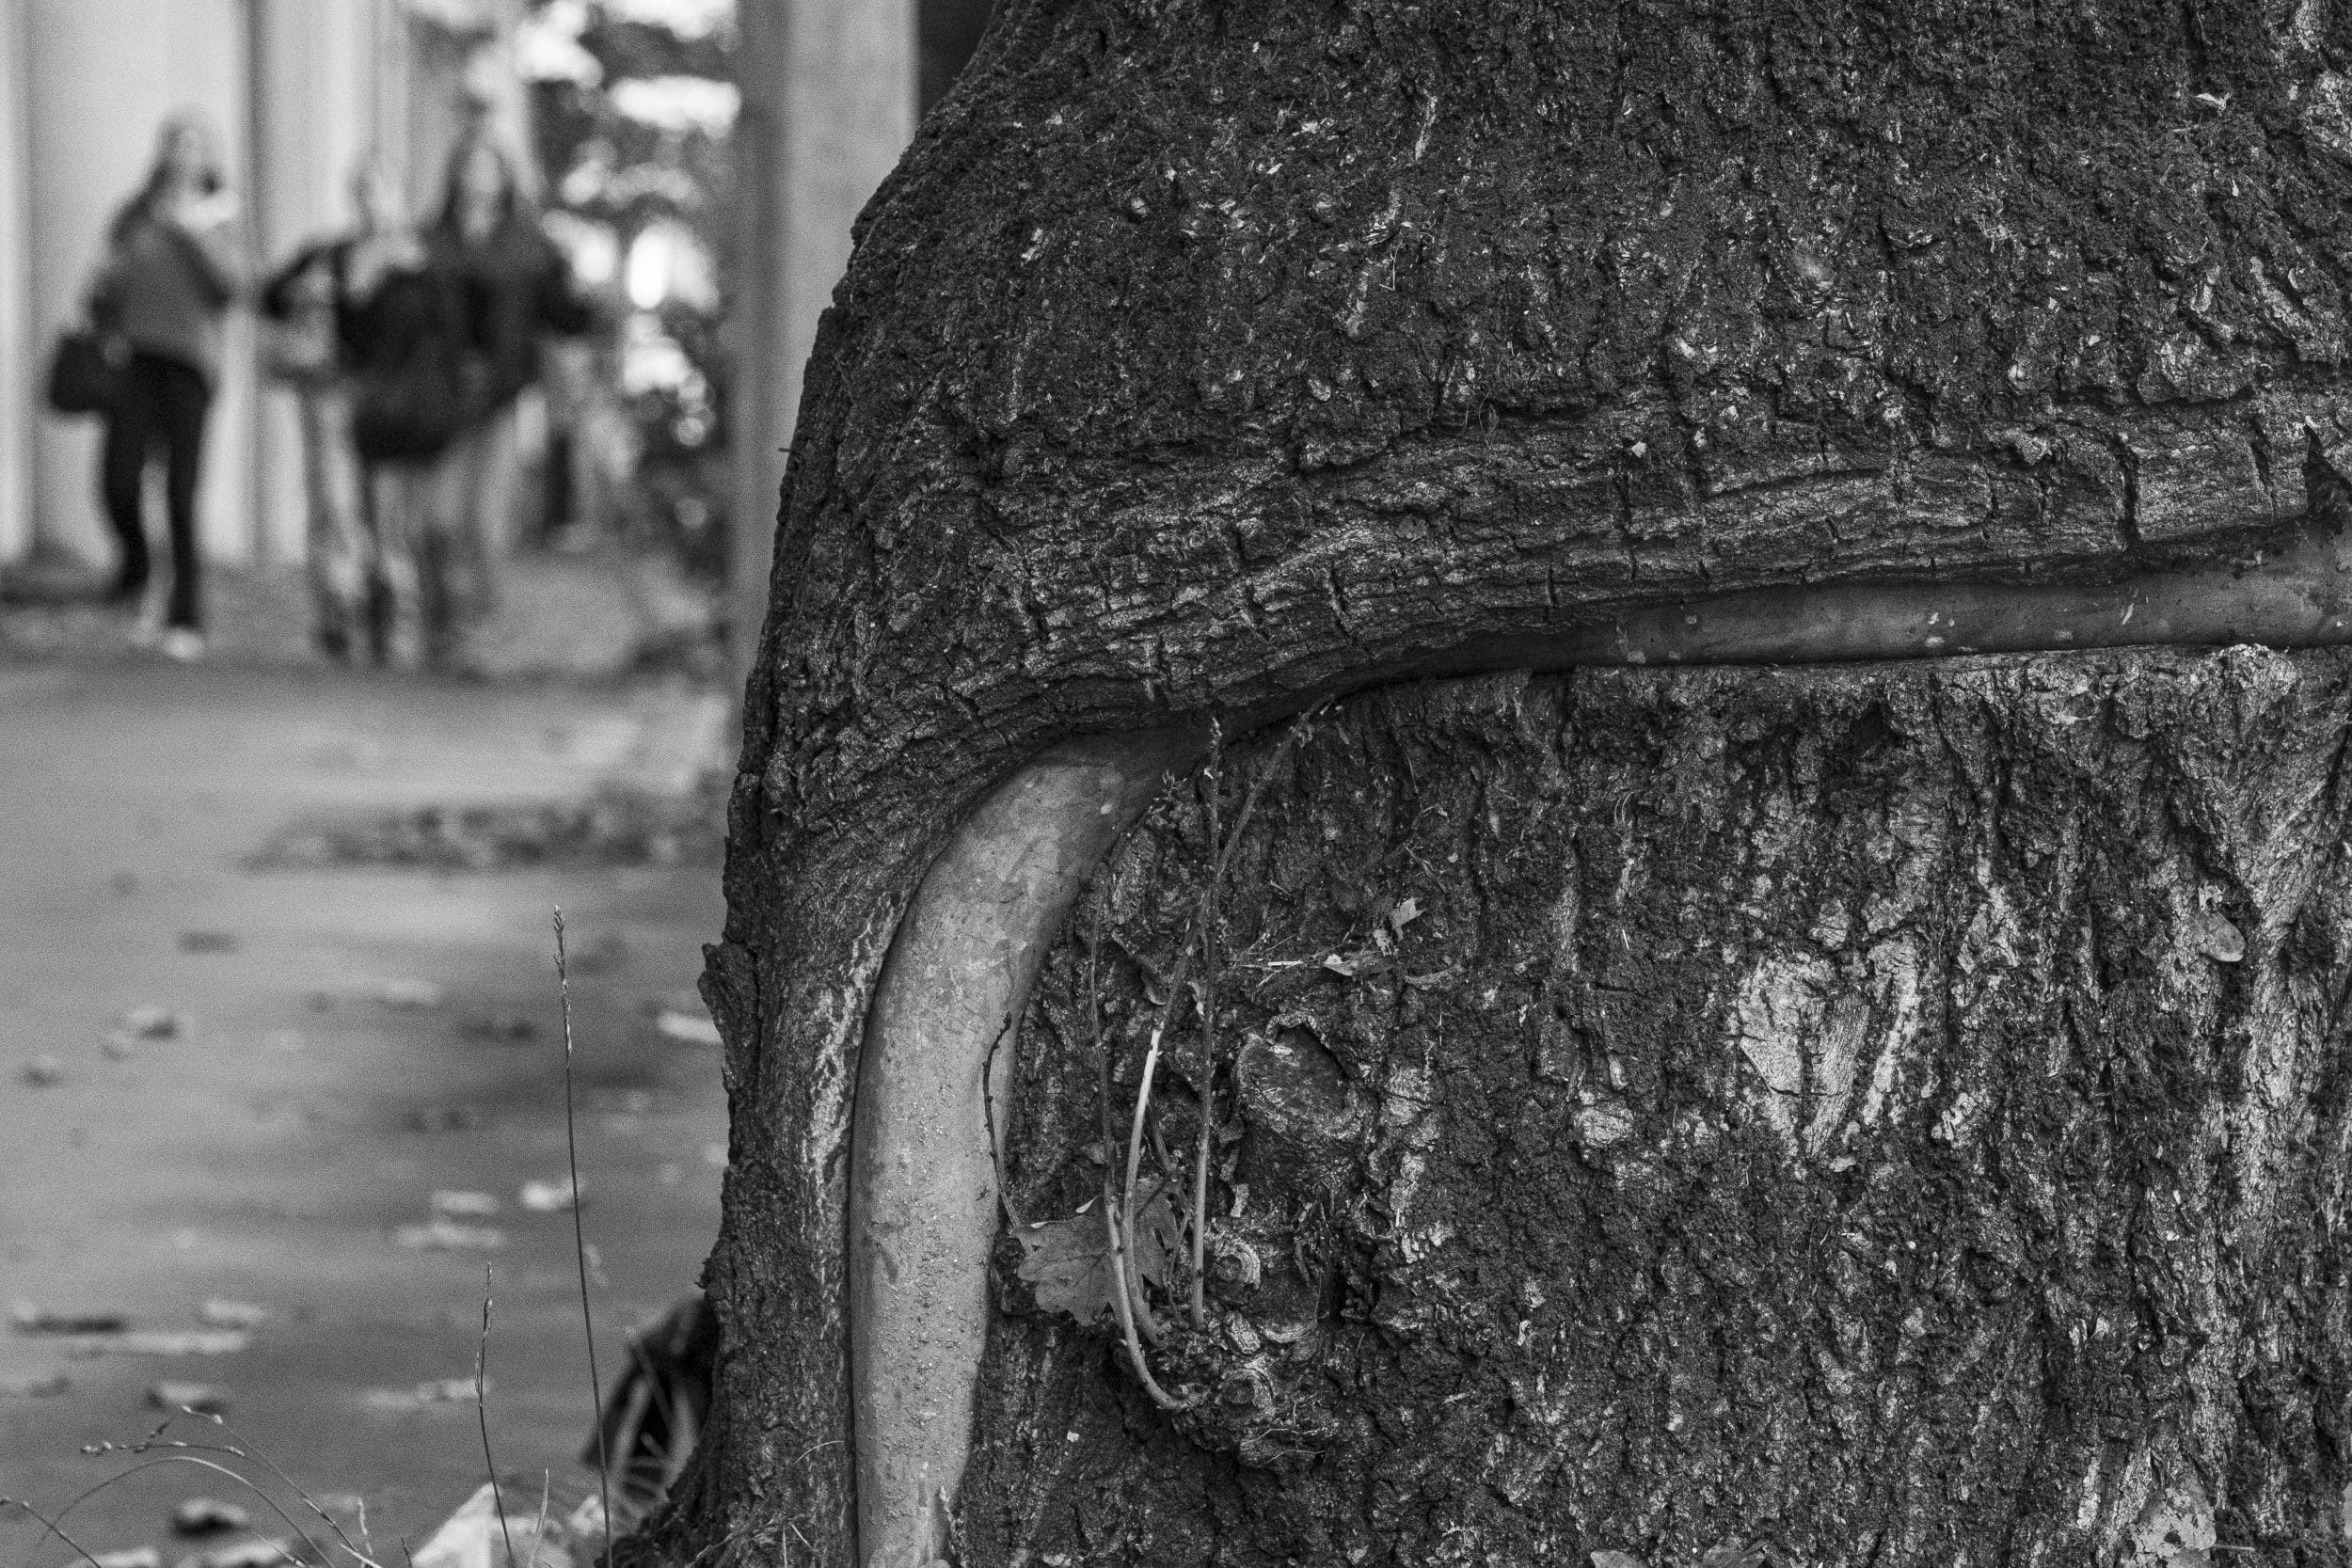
162, 406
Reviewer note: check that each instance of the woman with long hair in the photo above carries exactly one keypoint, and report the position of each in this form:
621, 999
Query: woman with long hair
174, 262
351, 311
515, 288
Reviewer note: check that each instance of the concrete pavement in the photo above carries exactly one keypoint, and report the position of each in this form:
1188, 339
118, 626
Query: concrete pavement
359, 1040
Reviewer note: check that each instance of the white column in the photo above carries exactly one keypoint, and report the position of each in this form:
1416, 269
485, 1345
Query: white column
828, 106
103, 74
23, 355
313, 105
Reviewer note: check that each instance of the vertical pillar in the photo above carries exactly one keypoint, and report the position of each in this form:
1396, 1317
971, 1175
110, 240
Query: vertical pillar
21, 352
828, 105
101, 74
313, 111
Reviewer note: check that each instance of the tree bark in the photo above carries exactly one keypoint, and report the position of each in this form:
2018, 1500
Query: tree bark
1885, 1114
1211, 360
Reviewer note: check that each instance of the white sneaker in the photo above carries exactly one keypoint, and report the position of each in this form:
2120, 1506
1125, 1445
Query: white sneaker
183, 644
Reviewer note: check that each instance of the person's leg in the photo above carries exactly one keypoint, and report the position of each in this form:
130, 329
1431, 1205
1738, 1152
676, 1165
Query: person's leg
437, 508
447, 543
183, 401
121, 478
484, 465
394, 502
336, 545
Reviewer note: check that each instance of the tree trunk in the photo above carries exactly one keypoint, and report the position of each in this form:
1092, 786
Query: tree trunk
1211, 361
1887, 1114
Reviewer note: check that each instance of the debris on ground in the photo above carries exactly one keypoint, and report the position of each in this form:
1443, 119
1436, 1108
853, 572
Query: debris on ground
25, 1318
42, 1072
445, 1235
586, 1524
551, 1197
465, 1203
207, 941
132, 1557
151, 1022
474, 1537
445, 1390
221, 1312
190, 1341
208, 1517
616, 827
693, 1028
205, 1398
409, 995
242, 1554
498, 1028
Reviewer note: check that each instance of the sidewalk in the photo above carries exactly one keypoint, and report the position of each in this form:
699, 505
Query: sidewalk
354, 1041
591, 616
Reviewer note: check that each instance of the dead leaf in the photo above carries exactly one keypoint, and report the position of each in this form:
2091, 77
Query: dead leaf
549, 1198
2220, 940
42, 1072
223, 1313
686, 1028
444, 1235
207, 1517
1617, 1560
25, 1318
498, 1028
409, 995
1403, 914
1068, 1262
452, 1202
444, 1390
1733, 1554
151, 1022
197, 1341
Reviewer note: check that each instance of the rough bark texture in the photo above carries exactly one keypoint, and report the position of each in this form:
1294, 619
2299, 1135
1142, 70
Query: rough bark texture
1210, 356
1886, 1114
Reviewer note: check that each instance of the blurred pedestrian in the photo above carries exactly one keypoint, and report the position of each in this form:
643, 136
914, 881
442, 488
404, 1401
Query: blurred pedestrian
315, 346
516, 289
174, 262
412, 381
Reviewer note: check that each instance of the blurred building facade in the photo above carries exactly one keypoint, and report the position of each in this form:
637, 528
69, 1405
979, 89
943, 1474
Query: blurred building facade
299, 90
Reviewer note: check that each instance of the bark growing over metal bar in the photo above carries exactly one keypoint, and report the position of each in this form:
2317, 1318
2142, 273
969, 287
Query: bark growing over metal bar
1206, 358
1882, 1114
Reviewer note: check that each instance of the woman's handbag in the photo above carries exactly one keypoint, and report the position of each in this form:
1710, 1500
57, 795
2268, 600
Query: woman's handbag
300, 351
85, 372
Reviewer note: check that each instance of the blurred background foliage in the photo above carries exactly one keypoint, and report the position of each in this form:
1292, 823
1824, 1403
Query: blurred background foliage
633, 104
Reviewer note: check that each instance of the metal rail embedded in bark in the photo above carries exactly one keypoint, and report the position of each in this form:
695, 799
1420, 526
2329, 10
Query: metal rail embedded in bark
923, 1201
